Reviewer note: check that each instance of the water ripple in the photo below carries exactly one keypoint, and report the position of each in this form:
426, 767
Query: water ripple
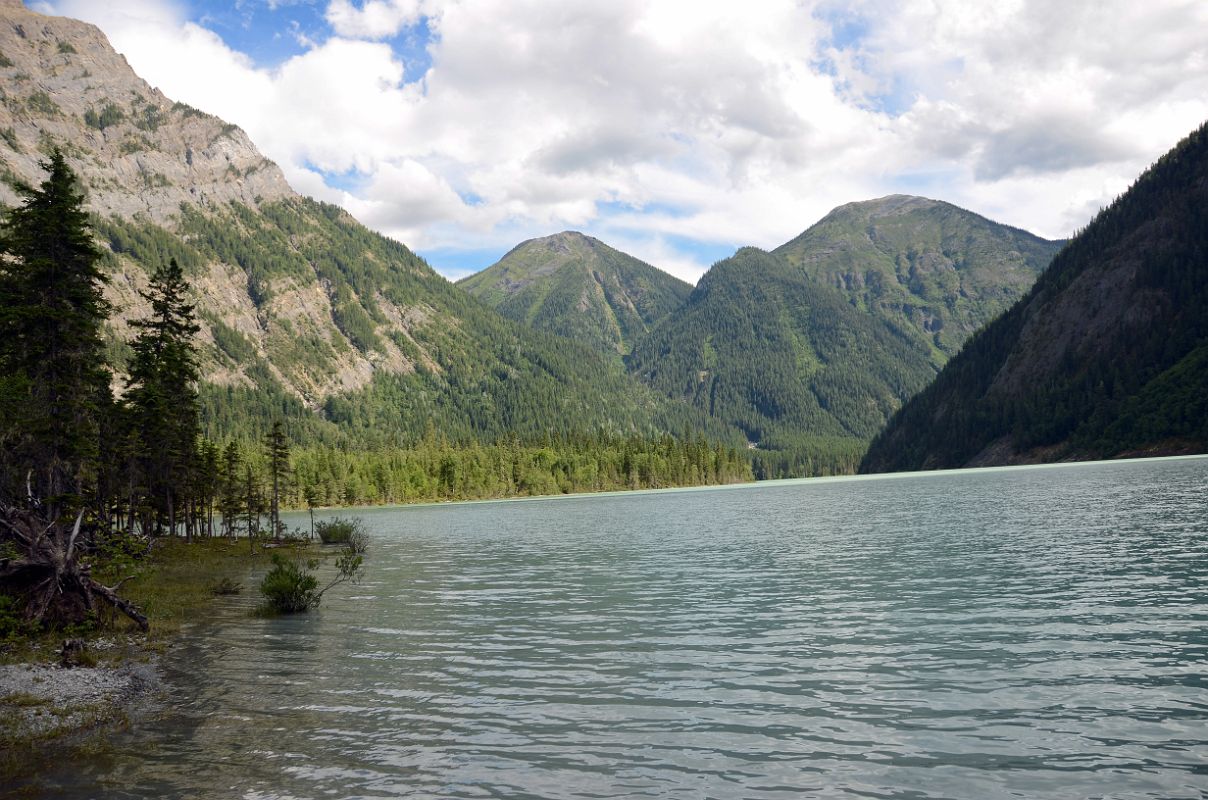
1002, 634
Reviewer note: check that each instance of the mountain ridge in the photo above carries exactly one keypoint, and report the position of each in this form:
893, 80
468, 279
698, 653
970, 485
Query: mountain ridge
925, 265
810, 347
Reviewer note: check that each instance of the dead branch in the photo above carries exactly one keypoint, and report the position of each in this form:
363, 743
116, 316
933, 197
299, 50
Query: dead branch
47, 573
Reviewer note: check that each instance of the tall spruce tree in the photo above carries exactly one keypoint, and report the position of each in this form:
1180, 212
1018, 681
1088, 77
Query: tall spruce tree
276, 449
54, 383
230, 493
162, 397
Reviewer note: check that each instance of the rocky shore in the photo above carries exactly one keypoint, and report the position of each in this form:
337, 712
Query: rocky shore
47, 710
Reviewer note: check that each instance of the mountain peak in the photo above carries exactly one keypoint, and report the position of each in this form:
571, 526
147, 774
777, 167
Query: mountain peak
928, 265
573, 284
136, 152
885, 206
567, 240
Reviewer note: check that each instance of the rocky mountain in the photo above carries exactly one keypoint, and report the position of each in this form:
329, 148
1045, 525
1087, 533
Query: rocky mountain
137, 153
578, 287
1106, 355
305, 312
935, 271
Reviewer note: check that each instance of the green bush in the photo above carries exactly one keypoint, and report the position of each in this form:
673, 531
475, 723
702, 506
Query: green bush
109, 115
338, 530
12, 622
288, 588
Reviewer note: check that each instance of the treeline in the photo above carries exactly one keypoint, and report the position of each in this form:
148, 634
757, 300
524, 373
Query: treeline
436, 470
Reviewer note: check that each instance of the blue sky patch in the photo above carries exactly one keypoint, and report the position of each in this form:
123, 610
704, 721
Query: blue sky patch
456, 264
706, 253
351, 181
269, 34
412, 46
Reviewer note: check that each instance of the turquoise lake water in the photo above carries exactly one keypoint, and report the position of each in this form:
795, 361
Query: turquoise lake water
1038, 633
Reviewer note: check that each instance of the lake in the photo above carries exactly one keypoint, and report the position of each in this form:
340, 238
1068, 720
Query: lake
1034, 632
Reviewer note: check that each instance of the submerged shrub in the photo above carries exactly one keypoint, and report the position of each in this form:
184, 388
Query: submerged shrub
288, 588
338, 530
226, 586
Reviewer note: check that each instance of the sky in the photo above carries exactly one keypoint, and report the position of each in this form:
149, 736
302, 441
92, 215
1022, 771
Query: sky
678, 130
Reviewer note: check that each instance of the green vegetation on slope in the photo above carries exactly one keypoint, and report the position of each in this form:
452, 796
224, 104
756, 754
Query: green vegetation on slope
807, 377
442, 356
1104, 355
935, 271
579, 288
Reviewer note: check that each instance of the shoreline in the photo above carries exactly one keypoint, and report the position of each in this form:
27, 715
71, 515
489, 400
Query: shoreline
49, 711
740, 485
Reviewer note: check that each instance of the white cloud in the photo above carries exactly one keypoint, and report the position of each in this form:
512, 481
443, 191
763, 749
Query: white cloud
652, 122
374, 19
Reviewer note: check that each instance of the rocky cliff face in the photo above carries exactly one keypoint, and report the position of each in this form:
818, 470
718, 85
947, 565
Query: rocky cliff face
141, 159
136, 151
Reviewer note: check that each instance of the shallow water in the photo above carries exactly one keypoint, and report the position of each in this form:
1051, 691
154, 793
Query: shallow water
984, 634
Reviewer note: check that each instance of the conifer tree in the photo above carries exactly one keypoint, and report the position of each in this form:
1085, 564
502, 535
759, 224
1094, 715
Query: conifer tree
276, 448
253, 505
52, 361
230, 494
163, 391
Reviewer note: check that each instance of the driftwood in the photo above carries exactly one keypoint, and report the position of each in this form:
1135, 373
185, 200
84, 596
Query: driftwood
40, 561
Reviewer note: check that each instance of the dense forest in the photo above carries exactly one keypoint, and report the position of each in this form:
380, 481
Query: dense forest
807, 377
1104, 356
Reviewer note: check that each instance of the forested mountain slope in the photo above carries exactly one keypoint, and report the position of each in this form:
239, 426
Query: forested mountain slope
1106, 355
578, 287
808, 377
810, 348
935, 271
305, 313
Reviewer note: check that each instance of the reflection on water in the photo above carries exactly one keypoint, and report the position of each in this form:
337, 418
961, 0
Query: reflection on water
1028, 633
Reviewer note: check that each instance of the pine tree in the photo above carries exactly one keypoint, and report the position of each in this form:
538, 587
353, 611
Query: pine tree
253, 505
276, 448
230, 494
163, 391
55, 380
